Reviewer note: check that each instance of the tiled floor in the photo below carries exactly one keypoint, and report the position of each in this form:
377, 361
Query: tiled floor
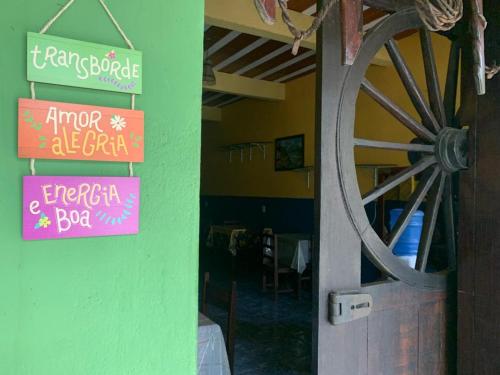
272, 338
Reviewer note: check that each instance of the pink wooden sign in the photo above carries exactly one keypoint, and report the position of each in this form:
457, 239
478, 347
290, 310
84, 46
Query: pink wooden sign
55, 130
64, 206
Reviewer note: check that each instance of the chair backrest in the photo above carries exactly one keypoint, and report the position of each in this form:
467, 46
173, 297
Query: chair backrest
268, 243
226, 299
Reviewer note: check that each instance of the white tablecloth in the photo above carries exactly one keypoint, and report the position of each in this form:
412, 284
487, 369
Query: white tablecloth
294, 249
231, 231
212, 355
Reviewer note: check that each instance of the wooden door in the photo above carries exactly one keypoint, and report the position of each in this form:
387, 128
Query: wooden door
408, 329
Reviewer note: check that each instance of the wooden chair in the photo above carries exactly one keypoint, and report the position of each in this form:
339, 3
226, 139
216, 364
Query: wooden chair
226, 299
271, 265
304, 276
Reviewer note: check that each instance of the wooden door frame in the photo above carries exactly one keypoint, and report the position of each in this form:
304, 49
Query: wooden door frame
479, 253
338, 255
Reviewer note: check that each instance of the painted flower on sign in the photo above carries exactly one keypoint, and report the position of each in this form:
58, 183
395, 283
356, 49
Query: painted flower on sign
111, 54
43, 221
118, 123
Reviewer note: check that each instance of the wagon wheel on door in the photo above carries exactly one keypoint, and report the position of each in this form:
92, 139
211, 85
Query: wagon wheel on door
440, 147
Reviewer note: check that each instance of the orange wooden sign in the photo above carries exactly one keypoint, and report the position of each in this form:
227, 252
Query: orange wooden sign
54, 130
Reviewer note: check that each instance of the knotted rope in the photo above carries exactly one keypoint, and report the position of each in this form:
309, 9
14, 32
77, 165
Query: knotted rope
265, 10
435, 14
439, 15
46, 27
492, 71
298, 34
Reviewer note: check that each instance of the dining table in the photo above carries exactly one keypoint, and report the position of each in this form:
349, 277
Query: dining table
212, 354
294, 249
229, 232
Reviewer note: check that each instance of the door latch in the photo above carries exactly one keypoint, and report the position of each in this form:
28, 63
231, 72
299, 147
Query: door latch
345, 307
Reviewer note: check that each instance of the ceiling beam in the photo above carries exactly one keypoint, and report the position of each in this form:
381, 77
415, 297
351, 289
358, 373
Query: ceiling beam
213, 114
250, 87
241, 16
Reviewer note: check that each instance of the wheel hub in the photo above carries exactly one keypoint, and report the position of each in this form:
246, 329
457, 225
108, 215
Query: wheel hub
451, 149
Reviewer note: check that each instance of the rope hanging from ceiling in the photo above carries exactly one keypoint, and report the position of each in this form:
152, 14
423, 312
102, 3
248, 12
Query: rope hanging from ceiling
492, 71
435, 14
298, 34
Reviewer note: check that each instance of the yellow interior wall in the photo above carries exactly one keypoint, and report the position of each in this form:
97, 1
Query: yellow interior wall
252, 120
258, 120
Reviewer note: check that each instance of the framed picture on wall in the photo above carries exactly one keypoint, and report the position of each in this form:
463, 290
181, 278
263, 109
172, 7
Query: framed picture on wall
289, 153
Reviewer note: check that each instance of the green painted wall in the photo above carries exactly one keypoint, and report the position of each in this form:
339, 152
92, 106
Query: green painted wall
117, 305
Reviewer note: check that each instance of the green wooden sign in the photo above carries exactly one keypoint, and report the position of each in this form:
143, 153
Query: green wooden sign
70, 62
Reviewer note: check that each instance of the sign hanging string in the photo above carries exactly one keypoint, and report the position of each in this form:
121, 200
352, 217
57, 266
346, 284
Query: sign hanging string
46, 27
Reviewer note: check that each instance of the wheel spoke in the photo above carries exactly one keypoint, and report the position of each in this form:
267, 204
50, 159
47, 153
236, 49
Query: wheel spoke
430, 218
393, 146
397, 111
450, 90
397, 179
431, 77
413, 203
449, 223
410, 84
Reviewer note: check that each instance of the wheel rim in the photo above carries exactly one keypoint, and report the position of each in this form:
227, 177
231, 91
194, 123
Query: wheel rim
442, 153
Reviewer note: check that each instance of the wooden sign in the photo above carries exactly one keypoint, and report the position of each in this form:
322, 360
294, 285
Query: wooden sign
53, 130
60, 207
70, 62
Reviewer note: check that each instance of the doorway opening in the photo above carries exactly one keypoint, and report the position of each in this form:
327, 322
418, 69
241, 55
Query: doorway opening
257, 197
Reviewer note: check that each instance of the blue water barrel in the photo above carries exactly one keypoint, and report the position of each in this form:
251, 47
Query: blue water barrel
407, 245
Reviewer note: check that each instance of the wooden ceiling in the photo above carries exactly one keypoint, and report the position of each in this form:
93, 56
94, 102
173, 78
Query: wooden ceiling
260, 58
